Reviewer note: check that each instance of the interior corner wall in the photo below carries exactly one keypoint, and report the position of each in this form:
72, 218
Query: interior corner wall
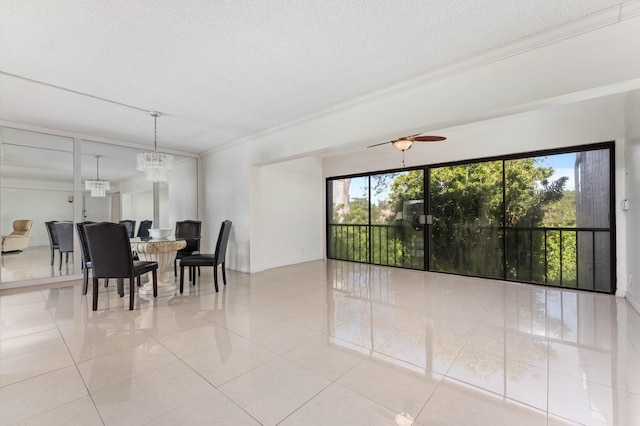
632, 187
276, 210
226, 188
291, 207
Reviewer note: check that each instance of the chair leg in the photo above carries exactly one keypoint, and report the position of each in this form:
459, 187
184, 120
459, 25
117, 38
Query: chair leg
224, 277
95, 294
215, 277
192, 273
60, 265
52, 252
181, 278
132, 289
85, 281
154, 275
120, 286
175, 267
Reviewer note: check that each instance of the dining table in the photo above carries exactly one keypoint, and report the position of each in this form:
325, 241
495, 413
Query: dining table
163, 251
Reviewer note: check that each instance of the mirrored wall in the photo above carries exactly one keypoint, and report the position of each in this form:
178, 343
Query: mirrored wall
37, 186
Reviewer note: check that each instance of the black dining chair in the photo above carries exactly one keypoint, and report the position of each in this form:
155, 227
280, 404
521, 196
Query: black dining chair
110, 254
64, 233
188, 230
215, 259
53, 238
143, 229
130, 225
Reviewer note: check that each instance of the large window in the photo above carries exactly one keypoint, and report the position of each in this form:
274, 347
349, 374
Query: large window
541, 218
378, 219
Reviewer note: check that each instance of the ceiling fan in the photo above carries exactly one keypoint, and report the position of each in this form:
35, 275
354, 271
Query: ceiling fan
406, 142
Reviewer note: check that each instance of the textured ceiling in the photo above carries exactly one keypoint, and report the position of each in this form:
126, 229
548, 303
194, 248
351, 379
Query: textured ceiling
220, 71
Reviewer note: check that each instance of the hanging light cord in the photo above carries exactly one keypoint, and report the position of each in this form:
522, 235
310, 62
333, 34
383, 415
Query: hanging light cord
155, 131
97, 167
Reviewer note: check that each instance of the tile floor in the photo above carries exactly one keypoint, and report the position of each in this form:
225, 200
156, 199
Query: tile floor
321, 343
33, 263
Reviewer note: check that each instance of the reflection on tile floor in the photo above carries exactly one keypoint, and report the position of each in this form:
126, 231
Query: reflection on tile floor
321, 343
33, 263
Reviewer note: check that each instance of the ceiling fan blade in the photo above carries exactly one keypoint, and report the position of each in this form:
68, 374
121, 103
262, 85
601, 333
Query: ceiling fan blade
378, 144
429, 138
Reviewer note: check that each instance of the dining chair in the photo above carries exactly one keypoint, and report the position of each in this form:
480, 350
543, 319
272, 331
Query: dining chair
215, 259
143, 229
189, 230
64, 233
53, 238
110, 254
130, 225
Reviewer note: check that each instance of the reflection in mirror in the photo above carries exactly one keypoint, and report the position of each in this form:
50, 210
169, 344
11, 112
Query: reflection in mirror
36, 184
131, 196
36, 187
179, 195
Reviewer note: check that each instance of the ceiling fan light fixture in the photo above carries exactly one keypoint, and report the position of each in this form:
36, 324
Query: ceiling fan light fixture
155, 165
402, 144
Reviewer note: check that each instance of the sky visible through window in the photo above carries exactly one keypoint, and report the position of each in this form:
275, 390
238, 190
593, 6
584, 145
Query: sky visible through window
563, 165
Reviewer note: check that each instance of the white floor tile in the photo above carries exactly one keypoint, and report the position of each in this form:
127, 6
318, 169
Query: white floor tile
274, 390
339, 406
38, 395
456, 404
398, 389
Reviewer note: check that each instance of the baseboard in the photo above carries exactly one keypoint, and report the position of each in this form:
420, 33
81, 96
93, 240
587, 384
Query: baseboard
633, 302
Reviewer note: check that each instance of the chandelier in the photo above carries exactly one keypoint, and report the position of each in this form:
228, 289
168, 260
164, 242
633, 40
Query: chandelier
97, 187
155, 165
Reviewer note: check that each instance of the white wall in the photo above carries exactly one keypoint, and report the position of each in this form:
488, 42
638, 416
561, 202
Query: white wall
291, 209
97, 209
593, 64
24, 200
632, 181
227, 190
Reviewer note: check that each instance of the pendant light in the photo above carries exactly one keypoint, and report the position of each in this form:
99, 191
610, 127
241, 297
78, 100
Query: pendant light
97, 187
155, 165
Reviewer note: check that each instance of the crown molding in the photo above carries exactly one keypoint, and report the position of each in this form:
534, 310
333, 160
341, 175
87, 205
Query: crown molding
630, 9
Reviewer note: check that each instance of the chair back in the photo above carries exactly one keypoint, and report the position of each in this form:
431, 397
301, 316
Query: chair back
51, 230
130, 225
82, 237
109, 250
22, 227
189, 229
221, 245
143, 229
64, 232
